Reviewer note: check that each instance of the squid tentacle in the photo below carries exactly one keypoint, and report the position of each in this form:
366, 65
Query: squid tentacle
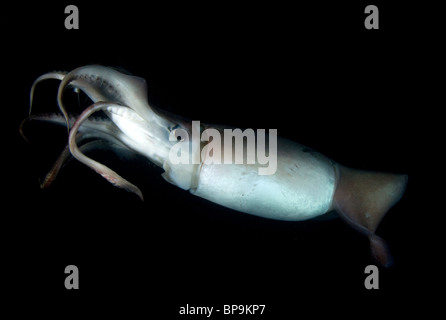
100, 132
79, 79
66, 156
100, 83
56, 75
83, 79
101, 128
100, 168
54, 171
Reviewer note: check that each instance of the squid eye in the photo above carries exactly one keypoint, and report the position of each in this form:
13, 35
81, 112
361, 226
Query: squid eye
177, 134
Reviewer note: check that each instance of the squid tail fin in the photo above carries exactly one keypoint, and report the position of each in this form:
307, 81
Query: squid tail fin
362, 198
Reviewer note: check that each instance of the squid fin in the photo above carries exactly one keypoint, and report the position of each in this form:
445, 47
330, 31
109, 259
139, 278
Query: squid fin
362, 198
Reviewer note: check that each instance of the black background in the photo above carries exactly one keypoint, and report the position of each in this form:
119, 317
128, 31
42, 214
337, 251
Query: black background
362, 97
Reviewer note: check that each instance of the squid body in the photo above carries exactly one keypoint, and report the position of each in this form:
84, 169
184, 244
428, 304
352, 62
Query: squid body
305, 184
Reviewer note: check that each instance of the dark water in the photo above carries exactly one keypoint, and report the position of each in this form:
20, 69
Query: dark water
312, 72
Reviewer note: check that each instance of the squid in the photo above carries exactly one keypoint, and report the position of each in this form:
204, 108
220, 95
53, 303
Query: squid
305, 184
